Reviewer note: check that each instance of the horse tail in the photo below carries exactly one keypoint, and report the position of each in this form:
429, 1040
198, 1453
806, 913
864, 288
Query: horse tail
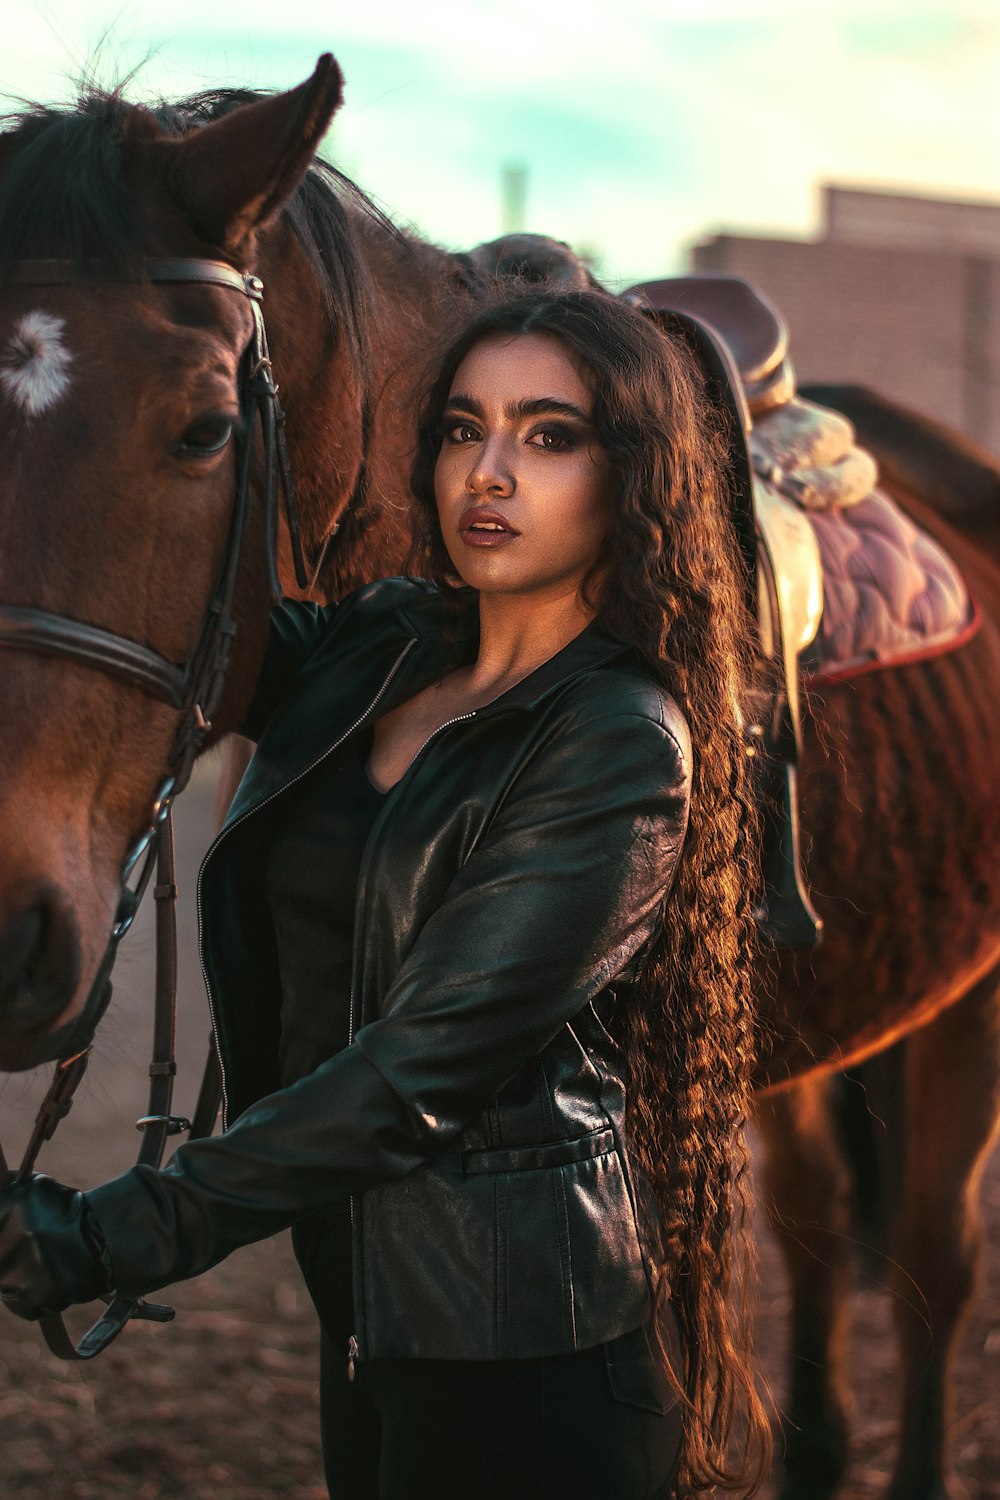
956, 477
869, 1107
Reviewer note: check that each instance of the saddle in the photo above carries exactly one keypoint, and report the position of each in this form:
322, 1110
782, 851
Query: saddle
753, 330
842, 581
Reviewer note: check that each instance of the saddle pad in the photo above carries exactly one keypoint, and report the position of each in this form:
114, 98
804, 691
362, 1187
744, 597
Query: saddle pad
891, 593
809, 455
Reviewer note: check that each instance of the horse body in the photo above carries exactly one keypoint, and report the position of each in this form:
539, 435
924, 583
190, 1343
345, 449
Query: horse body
900, 807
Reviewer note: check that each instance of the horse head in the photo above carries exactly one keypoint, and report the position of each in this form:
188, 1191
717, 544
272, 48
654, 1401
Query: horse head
120, 420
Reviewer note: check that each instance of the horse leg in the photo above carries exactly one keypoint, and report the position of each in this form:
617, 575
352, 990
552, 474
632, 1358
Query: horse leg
952, 1118
809, 1202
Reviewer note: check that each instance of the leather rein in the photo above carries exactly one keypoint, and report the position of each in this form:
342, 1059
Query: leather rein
195, 689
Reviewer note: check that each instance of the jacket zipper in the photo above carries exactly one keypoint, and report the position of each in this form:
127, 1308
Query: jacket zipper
353, 1345
256, 808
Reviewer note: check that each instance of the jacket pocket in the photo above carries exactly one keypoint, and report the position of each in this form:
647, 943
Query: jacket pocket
505, 1254
535, 1158
636, 1373
570, 1270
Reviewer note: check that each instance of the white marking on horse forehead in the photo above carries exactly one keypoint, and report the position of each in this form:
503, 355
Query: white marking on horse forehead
34, 367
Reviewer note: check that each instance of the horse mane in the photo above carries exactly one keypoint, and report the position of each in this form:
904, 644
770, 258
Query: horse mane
65, 193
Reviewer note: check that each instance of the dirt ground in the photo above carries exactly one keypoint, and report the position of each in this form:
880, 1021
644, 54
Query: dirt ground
222, 1402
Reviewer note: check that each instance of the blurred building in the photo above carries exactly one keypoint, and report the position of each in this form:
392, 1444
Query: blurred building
898, 292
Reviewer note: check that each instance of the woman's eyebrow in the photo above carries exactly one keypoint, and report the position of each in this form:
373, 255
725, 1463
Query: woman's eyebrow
545, 404
537, 406
460, 402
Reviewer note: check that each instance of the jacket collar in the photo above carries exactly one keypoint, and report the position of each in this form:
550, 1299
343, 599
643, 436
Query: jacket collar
415, 640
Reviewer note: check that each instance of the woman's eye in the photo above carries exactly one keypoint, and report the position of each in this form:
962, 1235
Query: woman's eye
461, 432
551, 440
207, 436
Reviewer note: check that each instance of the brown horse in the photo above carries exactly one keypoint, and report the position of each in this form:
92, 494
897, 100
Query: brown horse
113, 389
935, 1095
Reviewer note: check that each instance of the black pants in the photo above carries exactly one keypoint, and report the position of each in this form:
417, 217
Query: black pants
597, 1425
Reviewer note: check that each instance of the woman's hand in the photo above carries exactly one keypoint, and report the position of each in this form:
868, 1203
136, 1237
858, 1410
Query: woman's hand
50, 1254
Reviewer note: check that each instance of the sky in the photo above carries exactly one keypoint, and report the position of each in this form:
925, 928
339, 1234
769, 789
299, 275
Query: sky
642, 125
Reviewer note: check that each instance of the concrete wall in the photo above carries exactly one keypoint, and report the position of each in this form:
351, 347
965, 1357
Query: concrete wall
921, 325
854, 216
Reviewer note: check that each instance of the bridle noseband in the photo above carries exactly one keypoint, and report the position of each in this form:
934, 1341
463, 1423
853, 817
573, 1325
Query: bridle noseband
194, 689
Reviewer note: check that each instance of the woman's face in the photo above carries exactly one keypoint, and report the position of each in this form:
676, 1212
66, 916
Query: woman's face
522, 485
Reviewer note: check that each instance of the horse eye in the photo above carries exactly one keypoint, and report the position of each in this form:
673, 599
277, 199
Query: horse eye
207, 436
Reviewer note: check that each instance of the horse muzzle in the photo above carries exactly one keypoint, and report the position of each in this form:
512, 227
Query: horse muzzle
40, 973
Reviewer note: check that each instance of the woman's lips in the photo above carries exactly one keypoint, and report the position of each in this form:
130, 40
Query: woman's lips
479, 527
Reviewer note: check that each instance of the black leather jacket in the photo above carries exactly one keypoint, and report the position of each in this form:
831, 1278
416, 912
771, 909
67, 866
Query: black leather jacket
509, 887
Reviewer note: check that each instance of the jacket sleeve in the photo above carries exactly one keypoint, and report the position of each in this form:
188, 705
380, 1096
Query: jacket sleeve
298, 627
295, 629
556, 900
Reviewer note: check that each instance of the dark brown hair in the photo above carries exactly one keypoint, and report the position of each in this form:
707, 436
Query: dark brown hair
672, 586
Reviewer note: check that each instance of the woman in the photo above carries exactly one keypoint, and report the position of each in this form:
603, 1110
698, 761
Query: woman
477, 941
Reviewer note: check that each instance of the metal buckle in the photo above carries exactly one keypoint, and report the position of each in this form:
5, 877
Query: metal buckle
175, 1124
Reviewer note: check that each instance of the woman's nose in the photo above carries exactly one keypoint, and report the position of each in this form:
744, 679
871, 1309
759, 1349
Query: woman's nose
491, 474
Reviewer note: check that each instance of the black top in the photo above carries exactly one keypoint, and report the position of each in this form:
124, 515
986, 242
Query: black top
311, 869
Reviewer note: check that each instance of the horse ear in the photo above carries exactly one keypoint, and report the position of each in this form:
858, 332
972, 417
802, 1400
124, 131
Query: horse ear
233, 175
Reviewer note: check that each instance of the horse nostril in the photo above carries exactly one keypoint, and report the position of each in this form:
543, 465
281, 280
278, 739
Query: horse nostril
29, 939
39, 962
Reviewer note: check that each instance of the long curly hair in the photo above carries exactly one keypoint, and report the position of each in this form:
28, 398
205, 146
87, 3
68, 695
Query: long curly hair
672, 586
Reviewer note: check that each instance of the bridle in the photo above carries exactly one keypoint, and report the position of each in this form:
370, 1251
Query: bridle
195, 690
